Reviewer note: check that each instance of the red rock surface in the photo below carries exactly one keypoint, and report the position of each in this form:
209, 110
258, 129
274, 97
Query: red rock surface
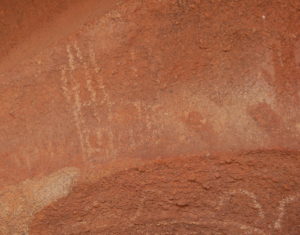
88, 83
254, 193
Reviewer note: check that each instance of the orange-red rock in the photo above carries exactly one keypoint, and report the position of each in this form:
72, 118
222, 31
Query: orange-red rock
86, 84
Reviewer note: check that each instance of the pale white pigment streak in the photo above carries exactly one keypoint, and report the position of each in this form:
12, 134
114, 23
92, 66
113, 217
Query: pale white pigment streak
80, 121
282, 208
247, 193
86, 132
93, 60
106, 99
72, 96
91, 103
70, 58
248, 229
64, 80
111, 151
90, 88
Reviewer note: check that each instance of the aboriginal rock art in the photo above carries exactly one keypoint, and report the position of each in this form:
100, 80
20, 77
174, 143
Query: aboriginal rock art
213, 219
279, 212
83, 96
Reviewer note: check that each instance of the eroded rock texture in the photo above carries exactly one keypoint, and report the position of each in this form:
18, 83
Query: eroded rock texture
100, 87
254, 193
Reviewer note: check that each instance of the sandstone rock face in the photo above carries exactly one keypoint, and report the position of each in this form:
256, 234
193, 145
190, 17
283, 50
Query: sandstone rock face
254, 193
20, 202
97, 90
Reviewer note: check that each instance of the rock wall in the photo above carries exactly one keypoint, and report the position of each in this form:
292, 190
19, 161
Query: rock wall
87, 84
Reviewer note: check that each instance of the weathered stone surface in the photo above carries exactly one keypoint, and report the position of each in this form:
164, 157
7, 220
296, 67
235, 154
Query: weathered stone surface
147, 79
254, 193
21, 202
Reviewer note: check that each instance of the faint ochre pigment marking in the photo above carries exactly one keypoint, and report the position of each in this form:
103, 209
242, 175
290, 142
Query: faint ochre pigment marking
247, 193
19, 203
233, 115
282, 208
